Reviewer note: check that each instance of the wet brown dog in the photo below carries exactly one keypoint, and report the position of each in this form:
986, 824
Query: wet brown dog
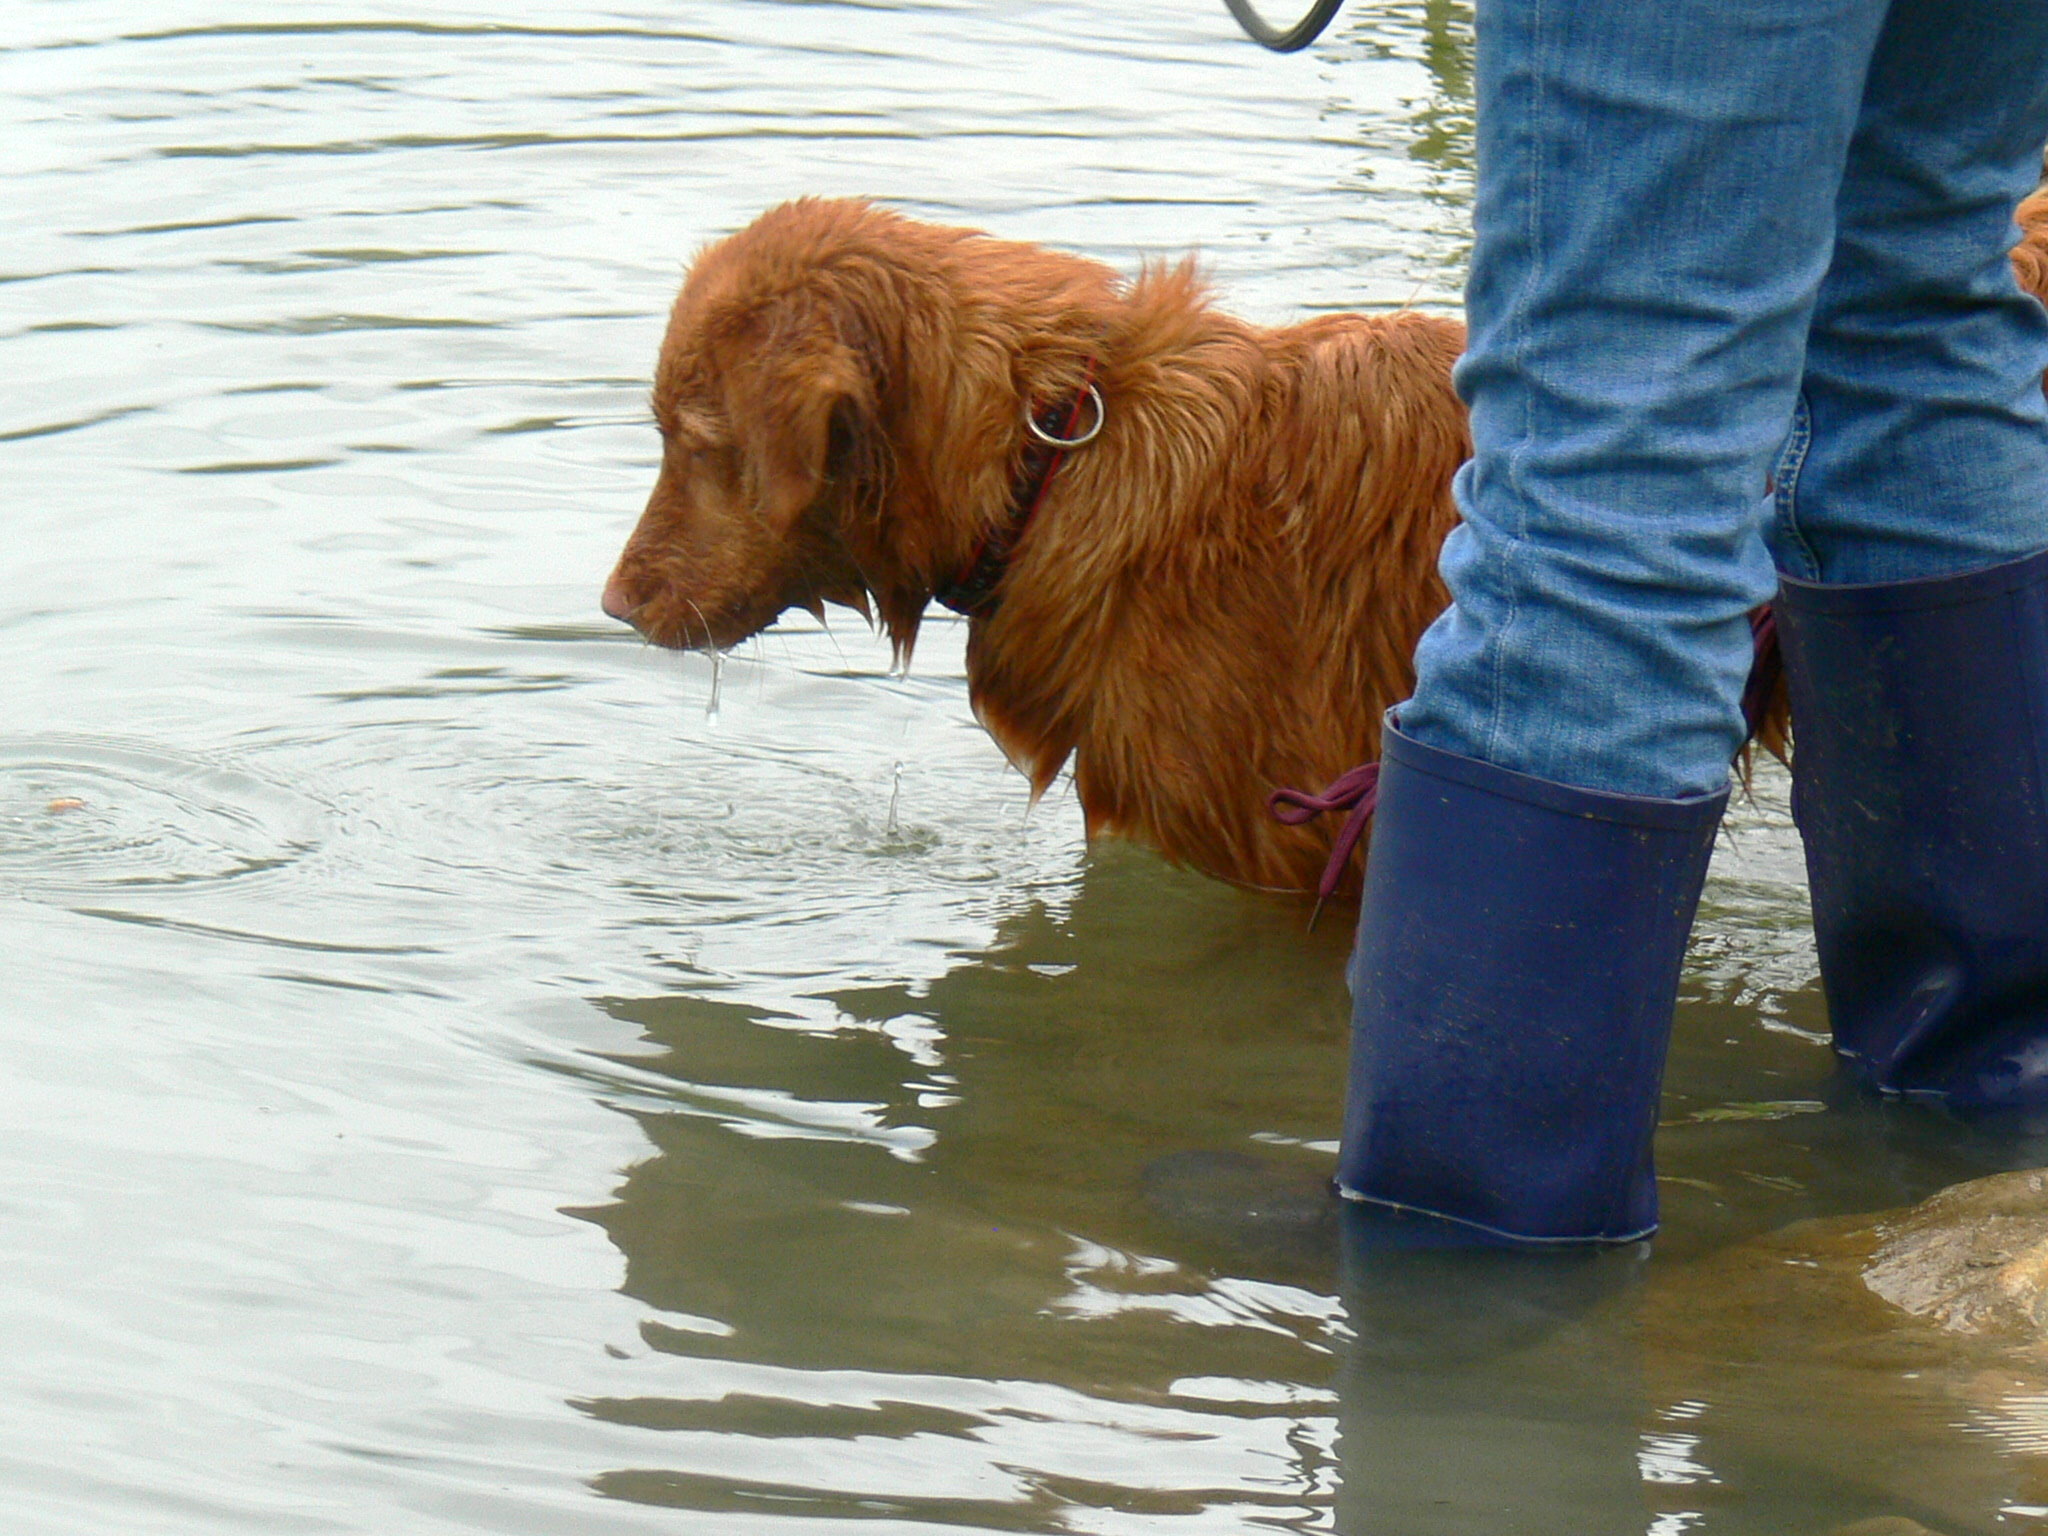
1218, 595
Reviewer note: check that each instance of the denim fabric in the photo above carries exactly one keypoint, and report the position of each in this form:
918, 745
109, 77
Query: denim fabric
1739, 300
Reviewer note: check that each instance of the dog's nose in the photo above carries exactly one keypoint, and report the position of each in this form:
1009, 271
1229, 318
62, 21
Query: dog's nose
618, 601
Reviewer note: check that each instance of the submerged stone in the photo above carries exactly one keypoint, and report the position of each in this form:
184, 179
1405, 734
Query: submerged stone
1972, 1260
1897, 1359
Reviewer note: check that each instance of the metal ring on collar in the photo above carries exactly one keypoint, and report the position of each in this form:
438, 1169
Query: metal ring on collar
1031, 425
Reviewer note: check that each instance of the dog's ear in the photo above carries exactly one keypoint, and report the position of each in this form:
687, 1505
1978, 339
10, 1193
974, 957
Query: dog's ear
799, 377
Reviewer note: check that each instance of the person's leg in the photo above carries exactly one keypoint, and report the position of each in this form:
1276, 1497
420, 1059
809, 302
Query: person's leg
1655, 216
1921, 443
1913, 504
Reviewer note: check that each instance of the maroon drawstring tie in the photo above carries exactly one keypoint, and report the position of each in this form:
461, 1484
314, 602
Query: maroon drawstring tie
1358, 791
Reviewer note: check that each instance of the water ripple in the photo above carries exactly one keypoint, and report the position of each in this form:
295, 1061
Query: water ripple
81, 814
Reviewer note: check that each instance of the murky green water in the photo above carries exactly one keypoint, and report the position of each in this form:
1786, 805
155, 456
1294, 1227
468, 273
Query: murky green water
454, 1082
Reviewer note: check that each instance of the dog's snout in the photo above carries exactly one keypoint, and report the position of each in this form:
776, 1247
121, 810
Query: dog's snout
619, 600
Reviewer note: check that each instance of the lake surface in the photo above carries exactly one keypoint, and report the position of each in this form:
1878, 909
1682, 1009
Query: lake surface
467, 1072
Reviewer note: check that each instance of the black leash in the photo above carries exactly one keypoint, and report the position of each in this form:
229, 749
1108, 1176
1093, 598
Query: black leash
1298, 36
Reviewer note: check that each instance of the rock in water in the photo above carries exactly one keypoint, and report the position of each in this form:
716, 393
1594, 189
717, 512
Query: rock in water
1889, 1369
1973, 1259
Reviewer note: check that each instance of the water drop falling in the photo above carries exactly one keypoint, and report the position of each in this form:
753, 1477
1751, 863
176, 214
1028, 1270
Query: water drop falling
895, 789
717, 686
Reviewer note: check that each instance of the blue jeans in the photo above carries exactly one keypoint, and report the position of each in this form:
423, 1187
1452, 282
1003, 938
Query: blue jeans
1739, 302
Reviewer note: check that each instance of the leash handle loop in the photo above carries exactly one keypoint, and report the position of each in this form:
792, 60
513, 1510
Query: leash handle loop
1284, 39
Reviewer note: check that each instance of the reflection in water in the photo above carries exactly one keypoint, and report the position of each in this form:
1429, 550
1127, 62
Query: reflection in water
970, 1216
1444, 123
938, 1207
1491, 1392
1426, 152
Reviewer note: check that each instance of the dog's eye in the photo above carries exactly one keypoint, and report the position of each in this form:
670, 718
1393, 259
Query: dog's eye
689, 430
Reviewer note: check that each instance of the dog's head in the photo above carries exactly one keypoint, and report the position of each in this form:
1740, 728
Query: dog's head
761, 397
838, 395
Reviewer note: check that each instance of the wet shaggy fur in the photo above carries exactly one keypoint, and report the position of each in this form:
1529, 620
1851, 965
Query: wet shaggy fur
2030, 256
1220, 595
